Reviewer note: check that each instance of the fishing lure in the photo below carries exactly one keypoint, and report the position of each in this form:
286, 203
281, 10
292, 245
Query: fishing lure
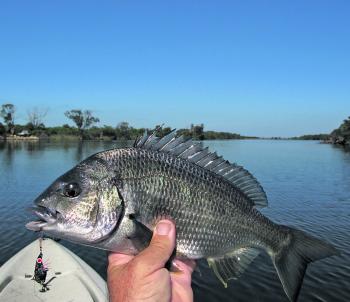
40, 269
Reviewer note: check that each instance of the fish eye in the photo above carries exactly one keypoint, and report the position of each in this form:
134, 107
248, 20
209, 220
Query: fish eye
71, 190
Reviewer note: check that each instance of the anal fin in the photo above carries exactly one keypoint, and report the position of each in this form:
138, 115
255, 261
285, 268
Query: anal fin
232, 265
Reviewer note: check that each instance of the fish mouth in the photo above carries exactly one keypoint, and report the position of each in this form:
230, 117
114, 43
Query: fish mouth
47, 217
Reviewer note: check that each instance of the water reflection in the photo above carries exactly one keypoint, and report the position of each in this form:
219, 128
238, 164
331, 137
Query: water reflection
307, 184
343, 148
79, 152
10, 148
34, 146
8, 152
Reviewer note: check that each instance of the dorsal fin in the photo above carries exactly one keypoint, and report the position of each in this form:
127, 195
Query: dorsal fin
195, 153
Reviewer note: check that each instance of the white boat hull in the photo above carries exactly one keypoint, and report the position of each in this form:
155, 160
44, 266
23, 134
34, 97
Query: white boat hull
74, 279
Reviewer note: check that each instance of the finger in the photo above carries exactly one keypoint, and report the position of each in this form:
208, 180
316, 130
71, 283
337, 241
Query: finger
160, 249
116, 263
182, 293
187, 266
116, 259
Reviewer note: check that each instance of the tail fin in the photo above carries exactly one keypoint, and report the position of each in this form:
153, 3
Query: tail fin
291, 261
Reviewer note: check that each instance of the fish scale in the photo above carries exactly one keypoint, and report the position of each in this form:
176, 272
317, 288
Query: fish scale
210, 202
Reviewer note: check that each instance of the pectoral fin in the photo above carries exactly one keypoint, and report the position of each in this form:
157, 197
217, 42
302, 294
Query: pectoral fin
232, 265
141, 235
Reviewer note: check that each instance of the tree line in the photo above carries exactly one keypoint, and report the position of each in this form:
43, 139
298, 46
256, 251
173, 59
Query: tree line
341, 135
85, 127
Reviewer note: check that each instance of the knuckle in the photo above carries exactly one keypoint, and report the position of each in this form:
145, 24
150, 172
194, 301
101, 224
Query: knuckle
113, 269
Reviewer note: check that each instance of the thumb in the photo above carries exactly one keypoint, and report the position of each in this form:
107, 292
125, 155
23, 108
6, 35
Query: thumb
160, 249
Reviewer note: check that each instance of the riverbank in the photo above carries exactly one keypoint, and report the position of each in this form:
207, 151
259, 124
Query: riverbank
76, 138
68, 137
20, 138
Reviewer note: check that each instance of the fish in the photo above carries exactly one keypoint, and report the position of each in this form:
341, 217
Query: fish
113, 199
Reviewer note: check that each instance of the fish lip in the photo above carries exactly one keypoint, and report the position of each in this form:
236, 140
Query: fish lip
45, 213
36, 226
47, 217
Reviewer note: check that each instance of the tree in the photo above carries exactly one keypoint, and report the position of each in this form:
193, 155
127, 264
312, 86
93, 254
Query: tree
345, 127
160, 131
82, 119
341, 135
2, 129
7, 112
197, 131
123, 131
108, 131
36, 117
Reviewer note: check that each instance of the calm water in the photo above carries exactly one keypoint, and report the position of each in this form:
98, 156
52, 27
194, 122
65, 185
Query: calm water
308, 185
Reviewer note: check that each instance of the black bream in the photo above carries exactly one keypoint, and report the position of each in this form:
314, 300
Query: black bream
113, 199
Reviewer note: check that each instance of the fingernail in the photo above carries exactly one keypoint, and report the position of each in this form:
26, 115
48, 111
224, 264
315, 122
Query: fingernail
163, 228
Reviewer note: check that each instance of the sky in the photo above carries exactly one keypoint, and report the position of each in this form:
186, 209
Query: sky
265, 68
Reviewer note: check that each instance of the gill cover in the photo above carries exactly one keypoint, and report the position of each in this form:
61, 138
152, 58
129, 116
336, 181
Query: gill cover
100, 193
86, 202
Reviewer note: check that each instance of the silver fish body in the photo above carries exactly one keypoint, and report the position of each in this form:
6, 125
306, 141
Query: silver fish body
113, 200
212, 217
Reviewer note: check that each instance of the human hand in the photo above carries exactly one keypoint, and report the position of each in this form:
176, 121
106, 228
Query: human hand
144, 278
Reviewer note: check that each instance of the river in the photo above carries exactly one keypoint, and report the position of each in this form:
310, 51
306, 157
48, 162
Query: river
307, 183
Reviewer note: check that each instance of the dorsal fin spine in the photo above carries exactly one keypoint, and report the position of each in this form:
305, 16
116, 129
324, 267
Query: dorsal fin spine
193, 152
165, 140
242, 181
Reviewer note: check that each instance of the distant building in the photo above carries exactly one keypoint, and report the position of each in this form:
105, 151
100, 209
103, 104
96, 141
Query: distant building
24, 133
